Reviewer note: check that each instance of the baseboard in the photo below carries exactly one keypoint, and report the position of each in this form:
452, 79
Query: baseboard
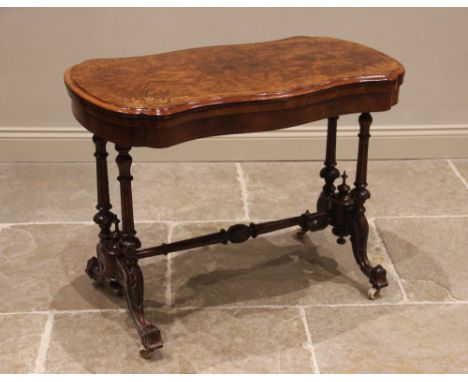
305, 142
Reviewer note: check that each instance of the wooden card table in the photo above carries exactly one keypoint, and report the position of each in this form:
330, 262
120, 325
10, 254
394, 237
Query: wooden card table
165, 99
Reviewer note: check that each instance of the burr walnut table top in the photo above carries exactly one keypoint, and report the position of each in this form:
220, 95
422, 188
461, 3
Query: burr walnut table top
164, 99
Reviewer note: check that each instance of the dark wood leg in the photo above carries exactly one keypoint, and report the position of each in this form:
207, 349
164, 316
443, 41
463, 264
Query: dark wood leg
329, 173
101, 266
129, 272
355, 215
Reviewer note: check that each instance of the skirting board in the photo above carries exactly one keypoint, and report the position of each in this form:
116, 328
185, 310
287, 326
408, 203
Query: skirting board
304, 142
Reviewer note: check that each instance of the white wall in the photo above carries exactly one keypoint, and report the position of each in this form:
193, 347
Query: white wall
37, 45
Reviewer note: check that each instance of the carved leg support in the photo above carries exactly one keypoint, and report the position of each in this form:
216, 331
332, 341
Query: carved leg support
100, 266
355, 218
129, 273
131, 279
329, 173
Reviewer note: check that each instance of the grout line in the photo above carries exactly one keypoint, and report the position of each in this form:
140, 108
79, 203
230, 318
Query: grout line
230, 307
169, 267
39, 366
310, 346
175, 222
243, 186
457, 173
421, 216
7, 225
64, 311
70, 311
396, 303
228, 221
44, 312
320, 305
391, 266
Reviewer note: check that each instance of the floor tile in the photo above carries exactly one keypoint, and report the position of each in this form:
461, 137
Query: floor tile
398, 188
43, 265
20, 336
274, 269
61, 192
462, 166
390, 339
206, 341
187, 191
429, 255
47, 192
282, 189
422, 187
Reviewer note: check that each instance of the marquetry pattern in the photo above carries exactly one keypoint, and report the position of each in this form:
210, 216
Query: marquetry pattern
165, 99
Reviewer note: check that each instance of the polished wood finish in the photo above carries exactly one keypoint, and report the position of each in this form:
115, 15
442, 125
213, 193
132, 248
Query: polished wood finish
100, 267
166, 99
129, 273
128, 243
170, 83
238, 233
329, 173
355, 218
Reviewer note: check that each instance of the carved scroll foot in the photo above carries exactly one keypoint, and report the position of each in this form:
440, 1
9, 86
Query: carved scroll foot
359, 230
93, 270
131, 279
95, 267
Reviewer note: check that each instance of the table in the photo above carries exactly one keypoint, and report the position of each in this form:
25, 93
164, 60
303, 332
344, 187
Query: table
166, 99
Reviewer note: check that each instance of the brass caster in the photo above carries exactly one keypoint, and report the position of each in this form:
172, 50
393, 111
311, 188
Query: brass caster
373, 293
145, 353
299, 234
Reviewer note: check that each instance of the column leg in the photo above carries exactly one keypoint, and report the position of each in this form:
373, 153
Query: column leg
98, 266
355, 216
329, 173
129, 272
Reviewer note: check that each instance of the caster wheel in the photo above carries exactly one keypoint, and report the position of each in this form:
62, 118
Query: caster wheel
373, 293
145, 353
299, 234
116, 287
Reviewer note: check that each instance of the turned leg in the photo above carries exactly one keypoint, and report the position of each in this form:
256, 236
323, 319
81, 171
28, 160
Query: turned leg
329, 173
355, 218
97, 266
129, 272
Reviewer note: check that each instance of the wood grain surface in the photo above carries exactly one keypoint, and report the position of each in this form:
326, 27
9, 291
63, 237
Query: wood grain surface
163, 84
164, 99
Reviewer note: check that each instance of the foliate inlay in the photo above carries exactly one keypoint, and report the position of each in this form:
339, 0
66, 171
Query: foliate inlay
163, 84
166, 99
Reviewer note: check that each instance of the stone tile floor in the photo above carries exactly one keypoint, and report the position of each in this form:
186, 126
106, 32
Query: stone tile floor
273, 304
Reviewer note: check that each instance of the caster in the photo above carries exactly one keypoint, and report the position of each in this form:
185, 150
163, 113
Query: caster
373, 293
341, 240
299, 234
145, 353
116, 287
